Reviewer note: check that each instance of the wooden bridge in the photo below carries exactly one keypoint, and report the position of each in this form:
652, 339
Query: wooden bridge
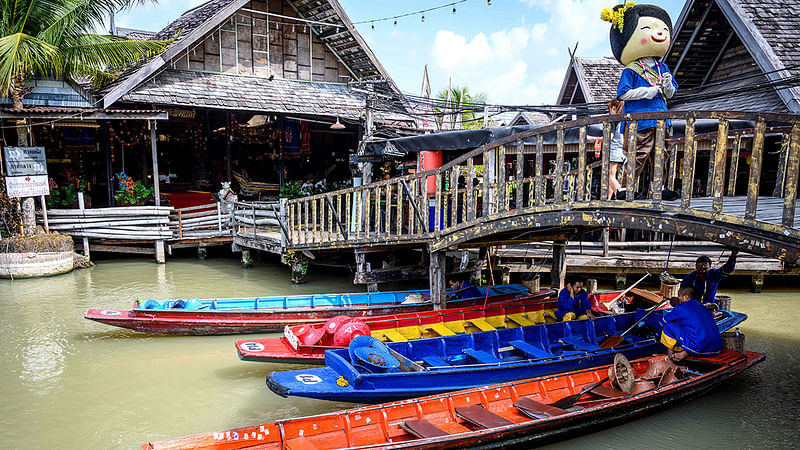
500, 193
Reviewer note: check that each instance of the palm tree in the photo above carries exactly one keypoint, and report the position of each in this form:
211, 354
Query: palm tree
57, 39
462, 104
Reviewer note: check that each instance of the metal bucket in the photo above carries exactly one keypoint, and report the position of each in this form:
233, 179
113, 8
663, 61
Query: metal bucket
724, 302
733, 340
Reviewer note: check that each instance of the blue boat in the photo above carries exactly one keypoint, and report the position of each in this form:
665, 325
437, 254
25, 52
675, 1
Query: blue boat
373, 372
265, 314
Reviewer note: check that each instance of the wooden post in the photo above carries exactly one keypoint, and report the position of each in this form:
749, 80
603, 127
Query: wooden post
559, 269
160, 256
757, 282
437, 280
44, 213
591, 285
159, 244
605, 242
85, 239
620, 280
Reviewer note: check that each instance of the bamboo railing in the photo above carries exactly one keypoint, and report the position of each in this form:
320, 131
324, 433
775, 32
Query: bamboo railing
507, 178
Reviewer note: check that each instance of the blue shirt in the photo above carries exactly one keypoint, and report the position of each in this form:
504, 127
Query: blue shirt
693, 326
567, 304
705, 289
632, 80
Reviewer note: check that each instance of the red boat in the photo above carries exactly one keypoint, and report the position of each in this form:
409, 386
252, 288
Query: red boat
507, 414
267, 314
306, 344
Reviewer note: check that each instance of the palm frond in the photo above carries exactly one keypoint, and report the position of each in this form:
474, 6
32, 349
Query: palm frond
21, 54
110, 52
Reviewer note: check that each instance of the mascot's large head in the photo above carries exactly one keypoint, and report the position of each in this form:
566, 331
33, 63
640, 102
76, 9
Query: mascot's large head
638, 31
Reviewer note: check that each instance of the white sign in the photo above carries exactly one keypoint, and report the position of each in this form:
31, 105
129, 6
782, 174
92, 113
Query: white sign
27, 186
25, 161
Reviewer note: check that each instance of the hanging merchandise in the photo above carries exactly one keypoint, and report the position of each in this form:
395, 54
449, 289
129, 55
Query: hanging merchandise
127, 135
305, 137
291, 138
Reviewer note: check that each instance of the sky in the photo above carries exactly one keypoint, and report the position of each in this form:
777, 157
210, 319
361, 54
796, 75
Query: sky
514, 51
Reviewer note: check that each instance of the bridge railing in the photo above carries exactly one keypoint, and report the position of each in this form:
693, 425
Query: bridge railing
556, 167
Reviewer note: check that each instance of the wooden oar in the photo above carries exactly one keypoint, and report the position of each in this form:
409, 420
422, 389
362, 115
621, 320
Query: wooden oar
566, 402
613, 341
609, 304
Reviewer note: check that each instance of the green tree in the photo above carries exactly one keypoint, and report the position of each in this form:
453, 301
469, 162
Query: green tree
57, 39
462, 106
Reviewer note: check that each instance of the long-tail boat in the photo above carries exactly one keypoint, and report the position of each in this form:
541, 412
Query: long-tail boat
522, 413
369, 371
306, 344
265, 314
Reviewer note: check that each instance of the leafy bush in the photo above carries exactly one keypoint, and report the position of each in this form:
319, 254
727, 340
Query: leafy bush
134, 194
63, 196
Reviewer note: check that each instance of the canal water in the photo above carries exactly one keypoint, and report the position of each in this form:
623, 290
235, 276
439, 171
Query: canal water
66, 382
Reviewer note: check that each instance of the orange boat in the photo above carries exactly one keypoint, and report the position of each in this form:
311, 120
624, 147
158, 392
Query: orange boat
518, 413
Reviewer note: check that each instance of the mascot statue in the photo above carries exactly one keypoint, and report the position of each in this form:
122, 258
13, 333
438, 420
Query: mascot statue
640, 37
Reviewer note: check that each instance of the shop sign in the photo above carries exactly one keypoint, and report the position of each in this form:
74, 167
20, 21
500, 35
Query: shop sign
26, 170
27, 186
25, 161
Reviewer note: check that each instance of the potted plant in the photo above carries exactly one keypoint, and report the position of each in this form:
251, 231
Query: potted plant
132, 193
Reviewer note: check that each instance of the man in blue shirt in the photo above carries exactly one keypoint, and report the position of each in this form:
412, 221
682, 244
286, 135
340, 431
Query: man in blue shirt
689, 329
705, 280
573, 302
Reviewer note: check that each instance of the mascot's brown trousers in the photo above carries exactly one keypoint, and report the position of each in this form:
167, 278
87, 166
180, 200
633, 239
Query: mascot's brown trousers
645, 149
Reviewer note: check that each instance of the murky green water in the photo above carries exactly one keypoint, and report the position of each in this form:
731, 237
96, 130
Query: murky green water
66, 382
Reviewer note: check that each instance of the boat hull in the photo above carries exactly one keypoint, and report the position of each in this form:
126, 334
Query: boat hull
383, 426
203, 322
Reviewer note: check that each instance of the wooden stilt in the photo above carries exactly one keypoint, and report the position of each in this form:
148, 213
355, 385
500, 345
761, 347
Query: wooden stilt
559, 269
437, 280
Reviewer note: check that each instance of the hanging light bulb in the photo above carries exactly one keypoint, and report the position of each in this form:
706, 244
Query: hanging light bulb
423, 17
292, 28
373, 26
489, 2
395, 23
454, 9
305, 29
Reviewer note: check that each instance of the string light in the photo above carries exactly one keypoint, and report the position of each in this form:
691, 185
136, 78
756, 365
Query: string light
454, 9
423, 17
413, 13
489, 2
395, 23
373, 26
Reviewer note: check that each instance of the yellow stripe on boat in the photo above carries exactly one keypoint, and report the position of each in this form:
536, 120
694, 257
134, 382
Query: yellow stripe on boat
520, 319
439, 329
456, 326
411, 332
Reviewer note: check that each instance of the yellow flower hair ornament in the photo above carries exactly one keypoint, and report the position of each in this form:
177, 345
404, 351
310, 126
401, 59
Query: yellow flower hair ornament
616, 16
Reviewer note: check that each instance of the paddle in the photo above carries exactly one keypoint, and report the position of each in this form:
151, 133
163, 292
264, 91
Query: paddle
613, 341
613, 302
566, 402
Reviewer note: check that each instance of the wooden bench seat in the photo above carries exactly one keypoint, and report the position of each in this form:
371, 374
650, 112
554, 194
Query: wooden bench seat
481, 417
530, 349
481, 356
422, 428
537, 410
579, 343
435, 361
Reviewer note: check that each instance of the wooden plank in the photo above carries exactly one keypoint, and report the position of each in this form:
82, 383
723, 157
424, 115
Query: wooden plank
539, 177
756, 158
314, 220
387, 220
689, 153
501, 187
520, 173
657, 183
367, 211
718, 183
630, 172
558, 188
470, 193
487, 169
673, 167
437, 211
605, 159
581, 191
734, 168
790, 188
454, 195
401, 206
782, 162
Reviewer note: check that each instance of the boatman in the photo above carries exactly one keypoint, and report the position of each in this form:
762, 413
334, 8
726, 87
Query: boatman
573, 302
463, 289
689, 329
705, 280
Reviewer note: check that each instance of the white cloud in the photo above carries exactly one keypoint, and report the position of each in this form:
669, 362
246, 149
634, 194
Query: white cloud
523, 64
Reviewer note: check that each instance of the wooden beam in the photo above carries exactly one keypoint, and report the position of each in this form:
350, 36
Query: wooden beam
693, 36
